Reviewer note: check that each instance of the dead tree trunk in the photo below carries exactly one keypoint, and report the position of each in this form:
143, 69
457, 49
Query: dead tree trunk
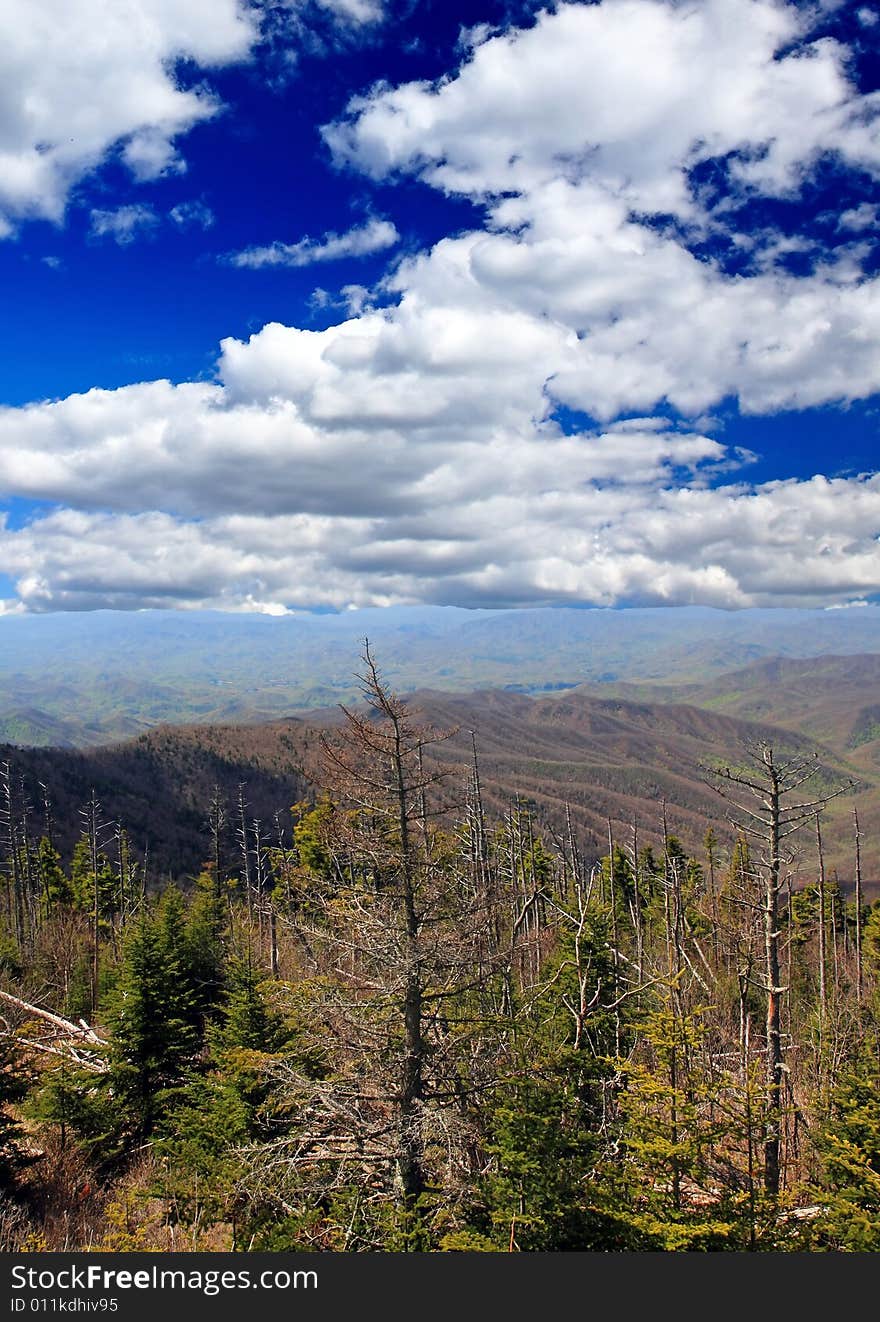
775, 1062
823, 933
93, 827
858, 902
768, 817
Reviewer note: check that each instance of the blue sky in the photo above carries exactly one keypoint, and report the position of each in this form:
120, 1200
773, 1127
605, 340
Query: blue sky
334, 303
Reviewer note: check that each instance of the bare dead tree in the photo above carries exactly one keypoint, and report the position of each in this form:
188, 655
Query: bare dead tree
75, 1042
765, 811
28, 859
216, 825
265, 903
823, 929
858, 904
244, 849
8, 826
93, 830
398, 931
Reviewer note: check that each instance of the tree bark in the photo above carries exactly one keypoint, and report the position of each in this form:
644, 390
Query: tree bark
775, 1063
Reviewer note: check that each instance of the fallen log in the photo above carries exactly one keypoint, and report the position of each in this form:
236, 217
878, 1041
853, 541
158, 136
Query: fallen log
81, 1031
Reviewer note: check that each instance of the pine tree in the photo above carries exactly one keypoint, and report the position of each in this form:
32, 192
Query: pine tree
680, 1127
222, 1108
547, 1134
55, 886
204, 948
849, 1148
153, 1037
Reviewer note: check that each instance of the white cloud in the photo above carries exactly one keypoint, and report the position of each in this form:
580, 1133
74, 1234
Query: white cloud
82, 78
342, 446
137, 220
569, 132
124, 224
354, 11
381, 463
630, 93
862, 217
412, 453
373, 236
794, 543
187, 215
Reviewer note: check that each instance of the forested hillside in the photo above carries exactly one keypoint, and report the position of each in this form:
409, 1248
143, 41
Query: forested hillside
413, 1016
84, 680
579, 755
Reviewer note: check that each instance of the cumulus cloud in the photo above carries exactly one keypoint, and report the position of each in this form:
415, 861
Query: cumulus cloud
630, 93
82, 78
435, 448
337, 448
303, 479
574, 133
373, 236
795, 543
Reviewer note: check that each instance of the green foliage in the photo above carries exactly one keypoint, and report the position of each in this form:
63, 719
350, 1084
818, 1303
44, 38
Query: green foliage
10, 955
310, 837
674, 1116
55, 886
198, 1167
228, 1105
83, 880
575, 1090
544, 1135
849, 1148
82, 1107
624, 881
543, 1147
203, 950
13, 1087
78, 1001
250, 1035
152, 1014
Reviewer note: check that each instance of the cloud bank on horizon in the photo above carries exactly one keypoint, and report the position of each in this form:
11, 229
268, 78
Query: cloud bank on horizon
523, 412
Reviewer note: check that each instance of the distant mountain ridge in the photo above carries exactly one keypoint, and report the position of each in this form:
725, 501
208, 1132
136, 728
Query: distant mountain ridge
85, 680
832, 699
599, 757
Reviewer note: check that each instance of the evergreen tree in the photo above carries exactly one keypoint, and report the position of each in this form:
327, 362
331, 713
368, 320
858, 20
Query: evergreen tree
55, 886
220, 1109
203, 950
849, 1148
153, 1038
546, 1132
250, 1035
680, 1125
83, 881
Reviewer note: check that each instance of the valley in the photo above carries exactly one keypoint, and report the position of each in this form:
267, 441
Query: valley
595, 757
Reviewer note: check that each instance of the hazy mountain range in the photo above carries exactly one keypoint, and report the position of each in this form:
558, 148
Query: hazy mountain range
607, 713
80, 680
